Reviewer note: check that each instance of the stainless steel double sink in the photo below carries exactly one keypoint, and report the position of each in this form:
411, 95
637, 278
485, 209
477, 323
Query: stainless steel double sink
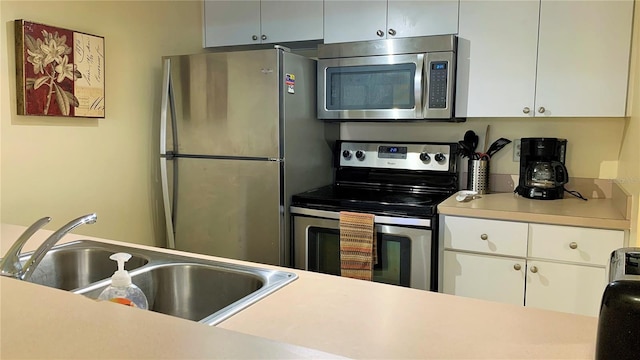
201, 290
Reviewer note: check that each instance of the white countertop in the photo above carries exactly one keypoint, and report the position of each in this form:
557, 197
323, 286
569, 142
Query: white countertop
330, 314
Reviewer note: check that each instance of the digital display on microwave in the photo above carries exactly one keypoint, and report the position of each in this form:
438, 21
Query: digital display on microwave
439, 66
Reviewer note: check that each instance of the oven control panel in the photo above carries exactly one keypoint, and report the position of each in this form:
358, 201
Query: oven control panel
407, 156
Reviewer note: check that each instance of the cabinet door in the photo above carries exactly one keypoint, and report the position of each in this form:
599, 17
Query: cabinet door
484, 277
352, 20
421, 18
497, 45
568, 288
583, 57
291, 20
231, 22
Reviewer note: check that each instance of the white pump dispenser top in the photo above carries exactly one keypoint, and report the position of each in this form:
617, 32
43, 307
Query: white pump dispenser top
121, 277
122, 290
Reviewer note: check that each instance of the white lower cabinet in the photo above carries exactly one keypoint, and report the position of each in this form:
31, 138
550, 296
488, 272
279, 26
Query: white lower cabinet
551, 267
565, 287
501, 278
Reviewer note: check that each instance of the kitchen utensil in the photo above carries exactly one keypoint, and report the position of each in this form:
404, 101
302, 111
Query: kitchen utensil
471, 139
480, 156
497, 146
465, 149
485, 149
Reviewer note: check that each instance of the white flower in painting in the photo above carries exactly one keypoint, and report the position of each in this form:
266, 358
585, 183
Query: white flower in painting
53, 51
51, 66
62, 41
37, 59
64, 69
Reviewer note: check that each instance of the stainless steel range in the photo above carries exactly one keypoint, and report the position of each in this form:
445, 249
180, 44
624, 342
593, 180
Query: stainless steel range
401, 184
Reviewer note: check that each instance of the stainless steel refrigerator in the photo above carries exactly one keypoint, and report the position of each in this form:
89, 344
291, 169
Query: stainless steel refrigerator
239, 136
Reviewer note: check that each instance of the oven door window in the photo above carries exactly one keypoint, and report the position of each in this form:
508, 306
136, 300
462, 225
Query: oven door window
394, 256
371, 87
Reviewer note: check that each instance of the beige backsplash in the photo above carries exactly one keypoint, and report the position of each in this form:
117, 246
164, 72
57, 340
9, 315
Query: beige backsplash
589, 188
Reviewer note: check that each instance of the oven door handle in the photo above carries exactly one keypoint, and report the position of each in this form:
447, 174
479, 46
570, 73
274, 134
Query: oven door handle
379, 219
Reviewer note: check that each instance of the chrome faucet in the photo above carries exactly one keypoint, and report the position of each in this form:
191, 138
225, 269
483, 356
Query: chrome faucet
10, 265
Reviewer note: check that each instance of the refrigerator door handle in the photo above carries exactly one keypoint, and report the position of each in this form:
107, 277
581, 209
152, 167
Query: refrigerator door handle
171, 242
166, 99
164, 105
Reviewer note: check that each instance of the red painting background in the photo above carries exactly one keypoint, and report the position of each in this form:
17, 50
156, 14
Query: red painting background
36, 99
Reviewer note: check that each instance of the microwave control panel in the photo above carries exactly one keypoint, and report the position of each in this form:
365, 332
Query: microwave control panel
438, 76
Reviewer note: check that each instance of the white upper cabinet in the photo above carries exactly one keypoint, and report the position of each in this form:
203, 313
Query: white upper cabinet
243, 22
231, 23
421, 18
583, 57
346, 21
291, 20
497, 47
543, 58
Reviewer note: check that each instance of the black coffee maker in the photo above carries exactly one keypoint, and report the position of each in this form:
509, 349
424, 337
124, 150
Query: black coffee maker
542, 170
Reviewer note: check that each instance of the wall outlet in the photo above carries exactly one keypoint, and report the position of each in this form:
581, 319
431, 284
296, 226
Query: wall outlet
516, 150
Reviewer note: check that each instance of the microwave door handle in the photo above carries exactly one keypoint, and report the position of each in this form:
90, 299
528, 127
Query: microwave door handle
421, 84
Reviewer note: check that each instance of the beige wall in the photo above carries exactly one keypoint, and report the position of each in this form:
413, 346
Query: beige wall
629, 167
64, 168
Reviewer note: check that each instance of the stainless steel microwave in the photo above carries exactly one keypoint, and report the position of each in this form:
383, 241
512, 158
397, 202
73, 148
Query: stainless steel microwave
386, 80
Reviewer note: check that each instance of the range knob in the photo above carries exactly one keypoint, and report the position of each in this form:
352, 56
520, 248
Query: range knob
360, 155
425, 156
439, 157
346, 154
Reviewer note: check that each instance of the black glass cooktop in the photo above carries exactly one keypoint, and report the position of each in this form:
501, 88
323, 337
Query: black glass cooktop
379, 202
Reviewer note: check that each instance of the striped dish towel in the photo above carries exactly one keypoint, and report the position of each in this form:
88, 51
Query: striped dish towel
357, 245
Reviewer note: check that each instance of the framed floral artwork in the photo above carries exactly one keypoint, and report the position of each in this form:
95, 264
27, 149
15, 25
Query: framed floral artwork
60, 72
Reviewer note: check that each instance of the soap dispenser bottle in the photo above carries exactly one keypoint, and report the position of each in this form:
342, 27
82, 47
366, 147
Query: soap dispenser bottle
122, 290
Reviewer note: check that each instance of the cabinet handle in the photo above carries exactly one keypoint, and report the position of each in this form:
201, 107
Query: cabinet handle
573, 245
541, 110
484, 236
264, 37
526, 110
534, 269
517, 267
380, 33
254, 37
392, 32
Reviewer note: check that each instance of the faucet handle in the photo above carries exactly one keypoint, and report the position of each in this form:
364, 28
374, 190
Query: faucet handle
42, 250
10, 264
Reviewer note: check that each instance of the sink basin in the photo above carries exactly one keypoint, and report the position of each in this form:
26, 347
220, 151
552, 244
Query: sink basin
77, 265
205, 291
192, 291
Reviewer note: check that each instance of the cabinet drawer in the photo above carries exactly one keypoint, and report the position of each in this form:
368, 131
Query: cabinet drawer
487, 236
568, 243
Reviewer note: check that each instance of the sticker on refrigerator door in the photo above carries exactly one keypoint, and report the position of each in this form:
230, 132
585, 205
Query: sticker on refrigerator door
290, 82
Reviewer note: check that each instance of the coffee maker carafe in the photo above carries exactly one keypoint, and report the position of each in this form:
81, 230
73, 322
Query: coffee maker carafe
542, 170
